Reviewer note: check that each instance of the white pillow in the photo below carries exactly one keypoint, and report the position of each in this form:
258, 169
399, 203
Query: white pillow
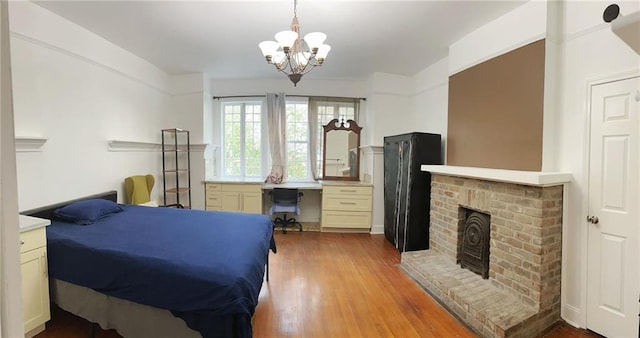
149, 204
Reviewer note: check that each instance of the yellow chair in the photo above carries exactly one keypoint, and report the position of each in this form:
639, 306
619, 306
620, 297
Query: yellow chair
138, 188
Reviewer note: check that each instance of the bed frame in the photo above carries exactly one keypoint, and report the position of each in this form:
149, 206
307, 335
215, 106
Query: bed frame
47, 211
130, 319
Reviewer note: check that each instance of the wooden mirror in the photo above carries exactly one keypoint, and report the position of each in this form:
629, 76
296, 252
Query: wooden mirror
341, 150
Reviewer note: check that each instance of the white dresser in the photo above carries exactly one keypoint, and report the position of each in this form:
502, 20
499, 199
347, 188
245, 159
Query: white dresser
35, 278
346, 207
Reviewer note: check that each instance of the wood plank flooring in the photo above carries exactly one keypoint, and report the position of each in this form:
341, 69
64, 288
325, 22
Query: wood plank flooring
333, 285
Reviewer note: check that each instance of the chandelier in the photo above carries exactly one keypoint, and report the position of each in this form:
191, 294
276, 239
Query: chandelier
293, 56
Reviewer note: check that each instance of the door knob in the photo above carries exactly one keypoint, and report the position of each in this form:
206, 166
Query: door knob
593, 219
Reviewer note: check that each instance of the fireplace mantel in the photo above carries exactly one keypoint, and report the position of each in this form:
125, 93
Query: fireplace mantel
533, 178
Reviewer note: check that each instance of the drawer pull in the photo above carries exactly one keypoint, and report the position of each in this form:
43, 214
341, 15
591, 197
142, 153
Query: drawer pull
348, 203
347, 190
21, 242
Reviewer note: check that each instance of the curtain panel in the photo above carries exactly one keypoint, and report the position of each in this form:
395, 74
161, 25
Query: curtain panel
276, 124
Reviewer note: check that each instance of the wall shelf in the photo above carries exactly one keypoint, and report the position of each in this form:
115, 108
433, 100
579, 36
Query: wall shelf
29, 144
119, 145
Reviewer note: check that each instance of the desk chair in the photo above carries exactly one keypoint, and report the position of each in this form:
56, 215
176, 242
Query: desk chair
285, 201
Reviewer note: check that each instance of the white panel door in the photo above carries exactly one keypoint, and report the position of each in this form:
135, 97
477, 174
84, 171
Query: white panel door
613, 285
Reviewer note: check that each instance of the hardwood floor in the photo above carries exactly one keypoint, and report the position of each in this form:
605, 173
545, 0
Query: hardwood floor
333, 285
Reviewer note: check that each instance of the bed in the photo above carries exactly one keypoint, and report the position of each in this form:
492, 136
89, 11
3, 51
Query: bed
157, 272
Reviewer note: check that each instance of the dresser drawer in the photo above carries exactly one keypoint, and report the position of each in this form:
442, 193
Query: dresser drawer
214, 199
346, 219
256, 188
346, 202
213, 187
347, 190
32, 239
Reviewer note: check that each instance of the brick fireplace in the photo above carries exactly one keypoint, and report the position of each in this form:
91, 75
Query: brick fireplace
521, 298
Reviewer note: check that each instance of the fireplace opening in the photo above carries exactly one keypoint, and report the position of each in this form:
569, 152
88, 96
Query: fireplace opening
474, 254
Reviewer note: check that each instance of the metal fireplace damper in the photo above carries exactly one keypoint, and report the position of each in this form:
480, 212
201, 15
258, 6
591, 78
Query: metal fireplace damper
475, 244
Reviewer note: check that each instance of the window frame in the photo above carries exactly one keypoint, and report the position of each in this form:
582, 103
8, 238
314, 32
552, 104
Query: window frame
264, 158
308, 177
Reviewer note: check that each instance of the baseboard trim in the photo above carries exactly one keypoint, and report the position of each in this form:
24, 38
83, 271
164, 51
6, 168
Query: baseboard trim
571, 315
377, 230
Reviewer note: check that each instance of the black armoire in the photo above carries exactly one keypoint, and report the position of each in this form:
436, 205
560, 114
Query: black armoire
407, 189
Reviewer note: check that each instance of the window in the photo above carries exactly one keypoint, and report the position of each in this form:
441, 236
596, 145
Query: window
242, 140
297, 141
245, 142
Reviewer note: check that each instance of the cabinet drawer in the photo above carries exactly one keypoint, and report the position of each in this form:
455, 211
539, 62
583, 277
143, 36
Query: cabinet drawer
346, 202
257, 188
347, 190
214, 199
32, 239
213, 187
346, 219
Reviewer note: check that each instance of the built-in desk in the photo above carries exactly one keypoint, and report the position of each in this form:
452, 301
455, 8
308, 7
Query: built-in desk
294, 185
339, 206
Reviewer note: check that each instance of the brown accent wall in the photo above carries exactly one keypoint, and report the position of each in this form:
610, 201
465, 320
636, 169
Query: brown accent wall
496, 112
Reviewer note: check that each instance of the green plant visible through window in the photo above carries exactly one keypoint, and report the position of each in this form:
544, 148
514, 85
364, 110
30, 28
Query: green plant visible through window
242, 141
297, 134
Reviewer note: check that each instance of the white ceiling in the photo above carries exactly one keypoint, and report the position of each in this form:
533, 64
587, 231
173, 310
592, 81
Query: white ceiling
221, 38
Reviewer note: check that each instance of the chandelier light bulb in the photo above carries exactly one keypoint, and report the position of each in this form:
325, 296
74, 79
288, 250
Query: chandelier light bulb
286, 39
268, 48
315, 40
279, 57
323, 51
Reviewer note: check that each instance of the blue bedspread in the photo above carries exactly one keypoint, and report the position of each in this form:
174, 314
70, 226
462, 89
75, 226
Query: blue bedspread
206, 267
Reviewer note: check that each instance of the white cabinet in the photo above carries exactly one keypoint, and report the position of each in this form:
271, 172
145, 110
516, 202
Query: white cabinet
213, 196
238, 197
35, 278
346, 208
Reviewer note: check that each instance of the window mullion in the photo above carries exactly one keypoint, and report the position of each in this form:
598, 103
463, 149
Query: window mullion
243, 159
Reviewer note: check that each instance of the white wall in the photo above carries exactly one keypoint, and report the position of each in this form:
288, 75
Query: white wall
10, 279
592, 53
523, 25
389, 112
79, 91
187, 111
431, 100
281, 84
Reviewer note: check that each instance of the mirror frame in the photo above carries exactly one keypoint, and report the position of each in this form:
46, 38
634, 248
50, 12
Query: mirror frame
335, 125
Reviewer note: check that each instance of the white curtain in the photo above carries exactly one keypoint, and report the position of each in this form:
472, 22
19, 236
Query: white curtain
276, 124
313, 137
